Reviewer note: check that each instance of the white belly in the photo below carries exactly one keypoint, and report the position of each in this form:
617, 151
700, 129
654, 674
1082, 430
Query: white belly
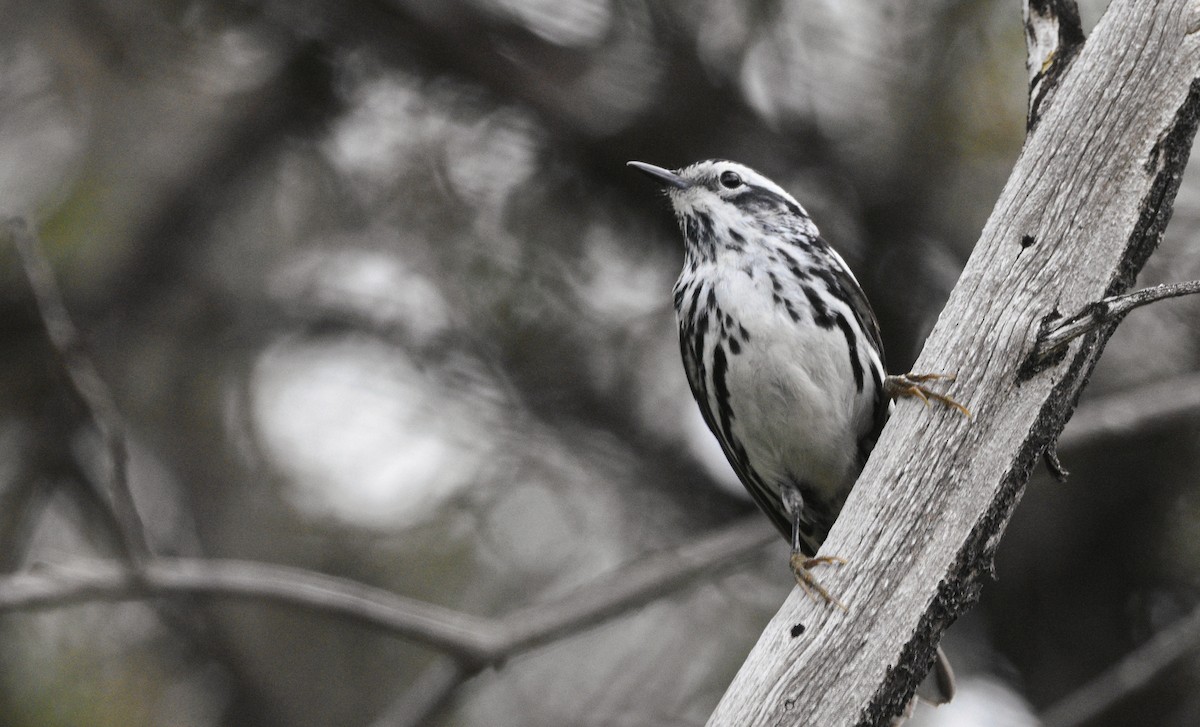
796, 407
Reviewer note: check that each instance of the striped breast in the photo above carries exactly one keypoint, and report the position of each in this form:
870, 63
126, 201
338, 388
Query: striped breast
786, 374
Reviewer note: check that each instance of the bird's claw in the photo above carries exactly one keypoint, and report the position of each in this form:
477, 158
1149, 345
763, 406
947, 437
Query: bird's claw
913, 385
804, 578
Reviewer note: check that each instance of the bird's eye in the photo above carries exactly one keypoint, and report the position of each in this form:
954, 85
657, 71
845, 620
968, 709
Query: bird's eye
731, 180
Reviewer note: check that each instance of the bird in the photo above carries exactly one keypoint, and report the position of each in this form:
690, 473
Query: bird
781, 349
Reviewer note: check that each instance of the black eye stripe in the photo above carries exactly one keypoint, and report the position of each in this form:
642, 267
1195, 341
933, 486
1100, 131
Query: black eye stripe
756, 195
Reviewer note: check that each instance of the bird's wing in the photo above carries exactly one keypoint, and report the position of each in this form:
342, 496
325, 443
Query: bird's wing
857, 300
768, 502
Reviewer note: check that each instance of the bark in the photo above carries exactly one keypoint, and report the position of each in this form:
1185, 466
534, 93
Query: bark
1086, 204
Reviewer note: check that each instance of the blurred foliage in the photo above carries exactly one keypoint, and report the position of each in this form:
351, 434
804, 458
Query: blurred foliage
378, 297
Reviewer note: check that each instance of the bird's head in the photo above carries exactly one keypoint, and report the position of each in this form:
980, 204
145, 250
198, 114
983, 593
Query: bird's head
720, 202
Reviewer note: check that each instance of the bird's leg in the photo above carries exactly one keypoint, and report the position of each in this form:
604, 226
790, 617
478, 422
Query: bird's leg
793, 504
913, 385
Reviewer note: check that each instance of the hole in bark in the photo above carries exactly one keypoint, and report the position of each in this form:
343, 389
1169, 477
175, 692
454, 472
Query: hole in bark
797, 630
1028, 241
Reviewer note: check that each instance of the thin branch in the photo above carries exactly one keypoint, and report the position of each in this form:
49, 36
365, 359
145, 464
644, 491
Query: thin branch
474, 641
1058, 334
605, 597
85, 581
86, 382
1127, 676
636, 584
1053, 464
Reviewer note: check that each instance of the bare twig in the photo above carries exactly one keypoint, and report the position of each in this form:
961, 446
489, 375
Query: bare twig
84, 581
474, 641
1053, 464
636, 584
1055, 337
603, 598
87, 384
1127, 676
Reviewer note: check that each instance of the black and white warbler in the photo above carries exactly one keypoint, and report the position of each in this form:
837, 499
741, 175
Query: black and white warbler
781, 349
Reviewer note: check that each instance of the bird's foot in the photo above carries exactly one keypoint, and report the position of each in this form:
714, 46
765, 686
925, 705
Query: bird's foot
905, 385
801, 565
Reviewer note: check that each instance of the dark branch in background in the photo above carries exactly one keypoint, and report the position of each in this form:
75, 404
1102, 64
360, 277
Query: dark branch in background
1127, 676
53, 586
199, 630
475, 641
1053, 35
639, 583
1056, 334
86, 383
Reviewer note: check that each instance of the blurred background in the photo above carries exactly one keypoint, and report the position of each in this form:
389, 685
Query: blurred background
376, 296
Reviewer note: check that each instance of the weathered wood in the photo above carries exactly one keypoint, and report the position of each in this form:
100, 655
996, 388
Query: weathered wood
1086, 204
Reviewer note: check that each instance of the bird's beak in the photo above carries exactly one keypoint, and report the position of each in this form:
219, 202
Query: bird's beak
660, 175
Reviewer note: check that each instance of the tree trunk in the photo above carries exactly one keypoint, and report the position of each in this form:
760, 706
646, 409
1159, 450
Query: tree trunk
1085, 206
